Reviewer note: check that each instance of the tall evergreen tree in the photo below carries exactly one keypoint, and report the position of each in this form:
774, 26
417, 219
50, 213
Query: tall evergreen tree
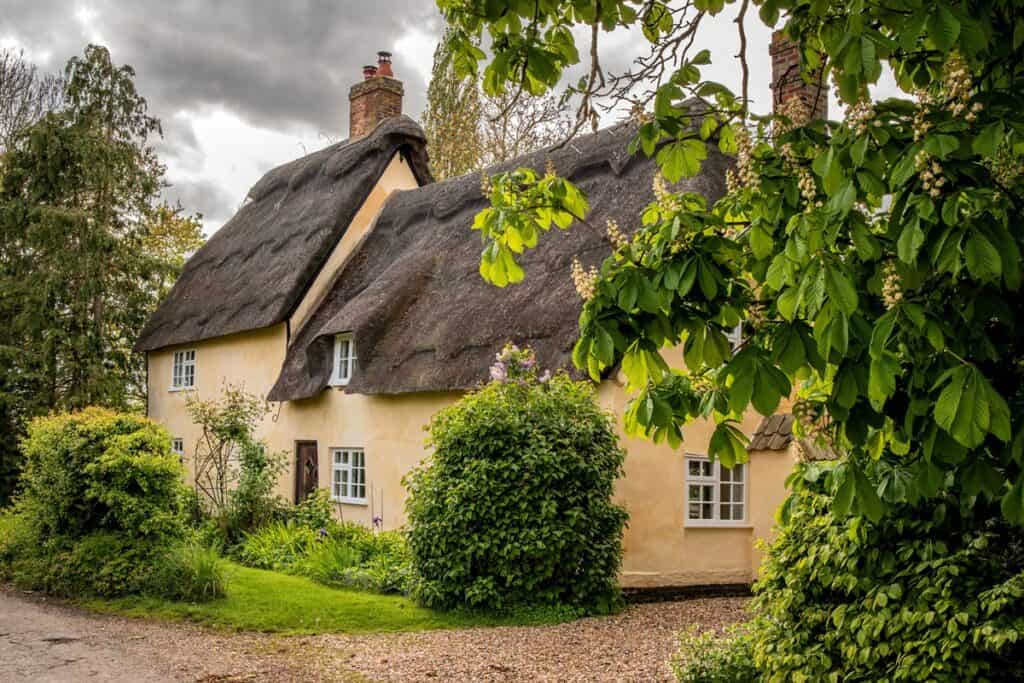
81, 262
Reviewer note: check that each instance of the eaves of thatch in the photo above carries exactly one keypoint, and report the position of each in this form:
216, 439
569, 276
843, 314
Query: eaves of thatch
423, 318
254, 271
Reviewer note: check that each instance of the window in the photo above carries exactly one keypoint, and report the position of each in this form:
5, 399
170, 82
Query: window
178, 448
348, 475
183, 374
344, 359
735, 337
715, 495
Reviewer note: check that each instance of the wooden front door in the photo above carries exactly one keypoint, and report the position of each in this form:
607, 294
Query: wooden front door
307, 470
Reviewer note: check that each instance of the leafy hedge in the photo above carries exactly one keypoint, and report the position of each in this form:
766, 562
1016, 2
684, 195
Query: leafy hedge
514, 506
931, 592
99, 505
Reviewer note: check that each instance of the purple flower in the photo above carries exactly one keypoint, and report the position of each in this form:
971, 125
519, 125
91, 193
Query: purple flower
528, 363
499, 372
378, 521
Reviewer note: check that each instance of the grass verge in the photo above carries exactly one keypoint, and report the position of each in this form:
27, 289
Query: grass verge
266, 601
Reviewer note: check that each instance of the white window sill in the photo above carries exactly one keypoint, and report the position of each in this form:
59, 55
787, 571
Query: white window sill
175, 390
351, 501
338, 383
707, 524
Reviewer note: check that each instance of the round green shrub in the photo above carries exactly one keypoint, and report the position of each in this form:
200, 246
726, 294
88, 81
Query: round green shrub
101, 497
932, 592
514, 506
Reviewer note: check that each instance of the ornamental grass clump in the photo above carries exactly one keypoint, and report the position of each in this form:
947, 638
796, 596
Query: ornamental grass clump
514, 508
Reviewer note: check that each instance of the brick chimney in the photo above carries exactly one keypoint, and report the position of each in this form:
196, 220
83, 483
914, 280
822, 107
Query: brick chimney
787, 83
377, 97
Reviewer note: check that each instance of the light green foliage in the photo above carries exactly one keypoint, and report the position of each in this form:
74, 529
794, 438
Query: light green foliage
335, 554
514, 505
932, 592
523, 204
235, 473
101, 497
451, 120
315, 512
188, 572
710, 657
874, 262
277, 546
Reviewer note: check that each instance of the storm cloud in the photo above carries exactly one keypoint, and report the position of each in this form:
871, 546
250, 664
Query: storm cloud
276, 66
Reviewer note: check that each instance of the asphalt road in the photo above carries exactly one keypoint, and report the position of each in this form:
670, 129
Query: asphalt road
46, 643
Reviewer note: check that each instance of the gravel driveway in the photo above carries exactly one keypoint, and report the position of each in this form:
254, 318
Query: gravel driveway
47, 641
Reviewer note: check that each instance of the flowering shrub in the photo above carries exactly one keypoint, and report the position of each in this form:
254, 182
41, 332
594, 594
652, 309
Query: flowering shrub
514, 506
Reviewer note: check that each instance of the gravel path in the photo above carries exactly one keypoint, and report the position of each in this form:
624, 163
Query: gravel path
632, 646
46, 641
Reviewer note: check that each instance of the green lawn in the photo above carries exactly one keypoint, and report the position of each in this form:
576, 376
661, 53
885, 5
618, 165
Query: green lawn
267, 601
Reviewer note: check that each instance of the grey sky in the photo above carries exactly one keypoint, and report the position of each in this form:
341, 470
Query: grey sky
243, 86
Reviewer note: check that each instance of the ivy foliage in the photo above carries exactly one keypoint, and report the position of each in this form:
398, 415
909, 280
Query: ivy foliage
931, 593
514, 508
874, 262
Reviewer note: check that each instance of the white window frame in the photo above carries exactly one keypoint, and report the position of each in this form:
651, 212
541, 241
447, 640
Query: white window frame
341, 374
343, 487
714, 480
178, 447
735, 337
181, 362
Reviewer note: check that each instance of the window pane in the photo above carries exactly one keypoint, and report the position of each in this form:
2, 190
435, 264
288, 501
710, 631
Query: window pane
705, 510
738, 473
694, 492
694, 510
737, 511
705, 466
693, 467
724, 493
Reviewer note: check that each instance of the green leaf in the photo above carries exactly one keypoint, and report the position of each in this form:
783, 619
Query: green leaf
987, 141
1013, 503
840, 290
943, 27
760, 241
983, 260
941, 145
682, 159
882, 379
868, 501
910, 240
842, 201
962, 409
842, 500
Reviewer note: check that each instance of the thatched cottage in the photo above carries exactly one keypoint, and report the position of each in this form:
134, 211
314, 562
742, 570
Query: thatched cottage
346, 289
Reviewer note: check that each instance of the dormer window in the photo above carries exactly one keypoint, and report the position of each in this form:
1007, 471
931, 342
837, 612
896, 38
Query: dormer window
344, 359
183, 370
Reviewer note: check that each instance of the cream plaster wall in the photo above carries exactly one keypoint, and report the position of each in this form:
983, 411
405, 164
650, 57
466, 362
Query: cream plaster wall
660, 549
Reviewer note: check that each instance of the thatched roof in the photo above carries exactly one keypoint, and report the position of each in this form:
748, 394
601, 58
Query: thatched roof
254, 271
412, 295
775, 433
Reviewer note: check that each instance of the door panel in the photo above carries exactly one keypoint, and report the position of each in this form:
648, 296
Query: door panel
307, 470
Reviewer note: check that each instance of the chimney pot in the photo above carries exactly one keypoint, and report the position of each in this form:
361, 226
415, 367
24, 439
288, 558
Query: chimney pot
374, 99
384, 64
